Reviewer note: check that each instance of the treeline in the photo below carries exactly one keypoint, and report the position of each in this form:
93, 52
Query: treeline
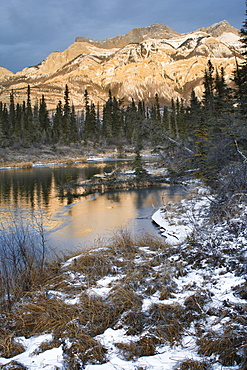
114, 123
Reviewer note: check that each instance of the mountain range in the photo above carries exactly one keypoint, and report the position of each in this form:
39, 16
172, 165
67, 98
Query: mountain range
145, 61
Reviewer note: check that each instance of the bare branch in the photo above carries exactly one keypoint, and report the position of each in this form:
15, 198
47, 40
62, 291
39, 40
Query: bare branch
242, 155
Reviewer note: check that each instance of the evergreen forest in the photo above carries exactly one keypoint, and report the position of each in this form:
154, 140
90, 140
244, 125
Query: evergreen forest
209, 133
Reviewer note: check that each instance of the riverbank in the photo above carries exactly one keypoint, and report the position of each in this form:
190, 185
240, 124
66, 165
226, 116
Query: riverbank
140, 303
28, 157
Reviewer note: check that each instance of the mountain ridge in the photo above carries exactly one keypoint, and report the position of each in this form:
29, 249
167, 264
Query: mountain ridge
145, 61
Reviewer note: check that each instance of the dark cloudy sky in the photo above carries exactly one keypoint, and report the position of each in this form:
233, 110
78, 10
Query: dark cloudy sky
31, 29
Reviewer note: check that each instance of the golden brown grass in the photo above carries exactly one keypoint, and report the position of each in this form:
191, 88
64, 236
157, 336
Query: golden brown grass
194, 365
227, 347
123, 299
95, 315
145, 346
23, 165
132, 321
93, 265
8, 347
76, 325
167, 321
83, 350
44, 315
13, 365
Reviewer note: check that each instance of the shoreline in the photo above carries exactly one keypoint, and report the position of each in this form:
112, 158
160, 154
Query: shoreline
23, 158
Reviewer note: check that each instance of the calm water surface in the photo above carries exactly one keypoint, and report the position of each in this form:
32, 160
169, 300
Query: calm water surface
74, 223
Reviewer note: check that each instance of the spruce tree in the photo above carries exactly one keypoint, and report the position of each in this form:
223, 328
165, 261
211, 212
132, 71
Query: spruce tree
87, 121
12, 113
57, 127
28, 119
73, 129
66, 115
107, 118
240, 75
131, 125
173, 120
43, 116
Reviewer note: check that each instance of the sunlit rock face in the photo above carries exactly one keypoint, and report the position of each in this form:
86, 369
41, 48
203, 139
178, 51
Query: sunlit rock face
137, 65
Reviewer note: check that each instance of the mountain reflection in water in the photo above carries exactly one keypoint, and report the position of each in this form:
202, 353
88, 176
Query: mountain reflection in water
77, 222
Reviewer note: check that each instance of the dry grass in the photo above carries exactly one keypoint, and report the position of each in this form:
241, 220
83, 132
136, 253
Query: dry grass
93, 266
155, 244
95, 315
123, 299
145, 346
168, 321
13, 365
132, 321
45, 346
23, 165
124, 243
230, 347
196, 302
194, 365
44, 316
76, 325
83, 350
8, 347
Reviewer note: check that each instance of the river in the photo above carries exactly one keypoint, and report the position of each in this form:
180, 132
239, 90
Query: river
75, 223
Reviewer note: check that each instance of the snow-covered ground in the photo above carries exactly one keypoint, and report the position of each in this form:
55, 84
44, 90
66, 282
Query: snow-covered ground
201, 275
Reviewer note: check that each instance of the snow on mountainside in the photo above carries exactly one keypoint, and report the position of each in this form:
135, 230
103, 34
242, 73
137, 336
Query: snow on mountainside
137, 65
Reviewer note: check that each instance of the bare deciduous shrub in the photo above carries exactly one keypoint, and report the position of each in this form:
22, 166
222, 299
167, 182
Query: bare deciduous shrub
231, 190
23, 255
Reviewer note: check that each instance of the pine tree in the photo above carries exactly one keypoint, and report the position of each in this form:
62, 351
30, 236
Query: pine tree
19, 120
36, 124
1, 125
117, 118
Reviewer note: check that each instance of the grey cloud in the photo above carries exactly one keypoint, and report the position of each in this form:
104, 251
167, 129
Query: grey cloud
32, 29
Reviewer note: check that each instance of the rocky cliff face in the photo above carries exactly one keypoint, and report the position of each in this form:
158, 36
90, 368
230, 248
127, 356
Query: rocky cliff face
137, 65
